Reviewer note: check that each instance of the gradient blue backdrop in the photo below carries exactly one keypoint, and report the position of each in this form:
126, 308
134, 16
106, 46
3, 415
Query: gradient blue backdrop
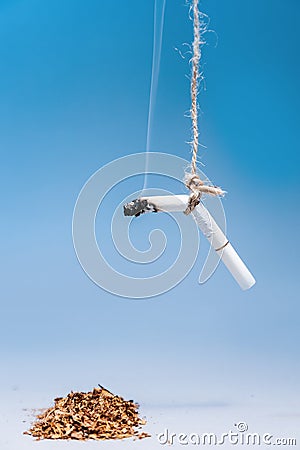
74, 90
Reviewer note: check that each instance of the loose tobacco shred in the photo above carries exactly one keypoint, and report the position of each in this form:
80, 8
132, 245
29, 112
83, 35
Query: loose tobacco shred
89, 415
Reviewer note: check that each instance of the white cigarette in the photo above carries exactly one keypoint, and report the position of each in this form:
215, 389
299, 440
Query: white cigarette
206, 223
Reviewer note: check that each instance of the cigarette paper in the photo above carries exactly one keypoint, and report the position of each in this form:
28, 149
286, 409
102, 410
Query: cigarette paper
206, 223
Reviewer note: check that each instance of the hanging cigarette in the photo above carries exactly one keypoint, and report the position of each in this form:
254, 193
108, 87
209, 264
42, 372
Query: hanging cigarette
206, 223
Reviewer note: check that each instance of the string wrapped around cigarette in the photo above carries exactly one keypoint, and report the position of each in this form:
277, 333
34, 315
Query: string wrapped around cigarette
206, 223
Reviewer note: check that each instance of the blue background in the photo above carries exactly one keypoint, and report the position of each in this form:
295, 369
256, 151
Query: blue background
74, 90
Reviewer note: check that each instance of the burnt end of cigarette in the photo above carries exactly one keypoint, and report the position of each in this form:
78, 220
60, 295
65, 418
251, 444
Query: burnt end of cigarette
135, 208
138, 207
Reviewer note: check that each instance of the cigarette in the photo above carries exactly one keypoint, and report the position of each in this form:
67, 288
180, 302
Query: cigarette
206, 223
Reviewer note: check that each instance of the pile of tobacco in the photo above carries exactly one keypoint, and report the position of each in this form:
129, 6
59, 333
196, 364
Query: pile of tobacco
93, 415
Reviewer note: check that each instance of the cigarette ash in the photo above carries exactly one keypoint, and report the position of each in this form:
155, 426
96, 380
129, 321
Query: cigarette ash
97, 415
138, 207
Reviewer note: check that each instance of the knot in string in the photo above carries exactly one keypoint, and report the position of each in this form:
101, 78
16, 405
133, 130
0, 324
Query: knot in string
193, 183
197, 187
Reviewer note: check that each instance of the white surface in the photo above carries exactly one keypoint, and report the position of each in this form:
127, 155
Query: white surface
207, 396
206, 418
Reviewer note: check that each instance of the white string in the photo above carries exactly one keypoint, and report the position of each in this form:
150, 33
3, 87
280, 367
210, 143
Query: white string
192, 180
